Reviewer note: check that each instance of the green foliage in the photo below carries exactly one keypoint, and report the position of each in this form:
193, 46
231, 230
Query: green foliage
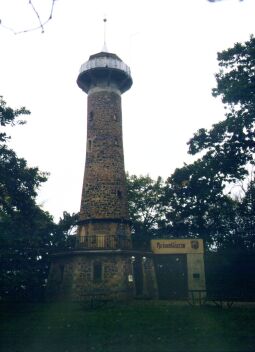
64, 232
191, 204
18, 182
8, 116
146, 209
196, 193
24, 257
28, 234
196, 205
229, 145
18, 190
194, 201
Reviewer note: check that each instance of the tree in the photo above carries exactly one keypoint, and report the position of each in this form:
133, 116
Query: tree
196, 193
28, 234
194, 202
64, 232
24, 257
145, 208
229, 145
196, 205
8, 116
18, 182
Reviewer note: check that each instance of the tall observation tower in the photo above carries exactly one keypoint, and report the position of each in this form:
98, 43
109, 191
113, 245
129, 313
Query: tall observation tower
104, 220
102, 262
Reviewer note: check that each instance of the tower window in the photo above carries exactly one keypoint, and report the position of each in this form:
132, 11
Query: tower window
97, 272
115, 117
90, 145
116, 141
119, 194
91, 116
196, 276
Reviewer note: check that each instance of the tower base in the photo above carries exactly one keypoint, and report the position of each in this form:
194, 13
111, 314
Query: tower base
117, 274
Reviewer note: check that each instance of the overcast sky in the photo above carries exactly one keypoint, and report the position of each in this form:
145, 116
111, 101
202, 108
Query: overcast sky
171, 47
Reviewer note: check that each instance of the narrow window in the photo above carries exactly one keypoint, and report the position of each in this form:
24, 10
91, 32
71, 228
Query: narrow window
196, 276
114, 117
97, 272
91, 116
116, 141
90, 145
119, 194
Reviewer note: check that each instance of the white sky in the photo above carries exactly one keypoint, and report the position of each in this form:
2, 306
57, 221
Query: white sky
171, 47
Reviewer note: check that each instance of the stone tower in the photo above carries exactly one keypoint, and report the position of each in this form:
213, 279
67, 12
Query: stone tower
104, 218
102, 262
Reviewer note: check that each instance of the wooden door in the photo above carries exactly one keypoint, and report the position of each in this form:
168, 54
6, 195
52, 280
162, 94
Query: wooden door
172, 276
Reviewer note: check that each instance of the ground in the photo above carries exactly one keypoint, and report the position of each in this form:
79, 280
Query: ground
151, 326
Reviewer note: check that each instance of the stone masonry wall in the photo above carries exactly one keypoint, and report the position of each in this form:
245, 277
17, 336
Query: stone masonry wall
104, 194
72, 277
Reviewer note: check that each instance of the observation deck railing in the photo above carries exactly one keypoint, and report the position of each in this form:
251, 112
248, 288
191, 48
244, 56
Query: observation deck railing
102, 62
103, 242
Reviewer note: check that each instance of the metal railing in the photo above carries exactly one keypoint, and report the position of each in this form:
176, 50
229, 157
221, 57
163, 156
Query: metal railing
101, 62
104, 242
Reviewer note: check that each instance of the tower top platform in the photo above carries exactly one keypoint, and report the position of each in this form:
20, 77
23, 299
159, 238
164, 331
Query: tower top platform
103, 70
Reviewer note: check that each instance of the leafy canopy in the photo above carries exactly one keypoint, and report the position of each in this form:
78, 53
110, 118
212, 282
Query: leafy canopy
229, 145
28, 234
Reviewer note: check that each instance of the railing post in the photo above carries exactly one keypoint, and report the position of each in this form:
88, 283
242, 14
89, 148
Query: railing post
103, 242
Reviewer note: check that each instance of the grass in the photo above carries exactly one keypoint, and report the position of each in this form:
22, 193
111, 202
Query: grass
151, 326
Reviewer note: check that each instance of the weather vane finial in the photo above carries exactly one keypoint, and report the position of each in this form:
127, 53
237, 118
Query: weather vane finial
105, 47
